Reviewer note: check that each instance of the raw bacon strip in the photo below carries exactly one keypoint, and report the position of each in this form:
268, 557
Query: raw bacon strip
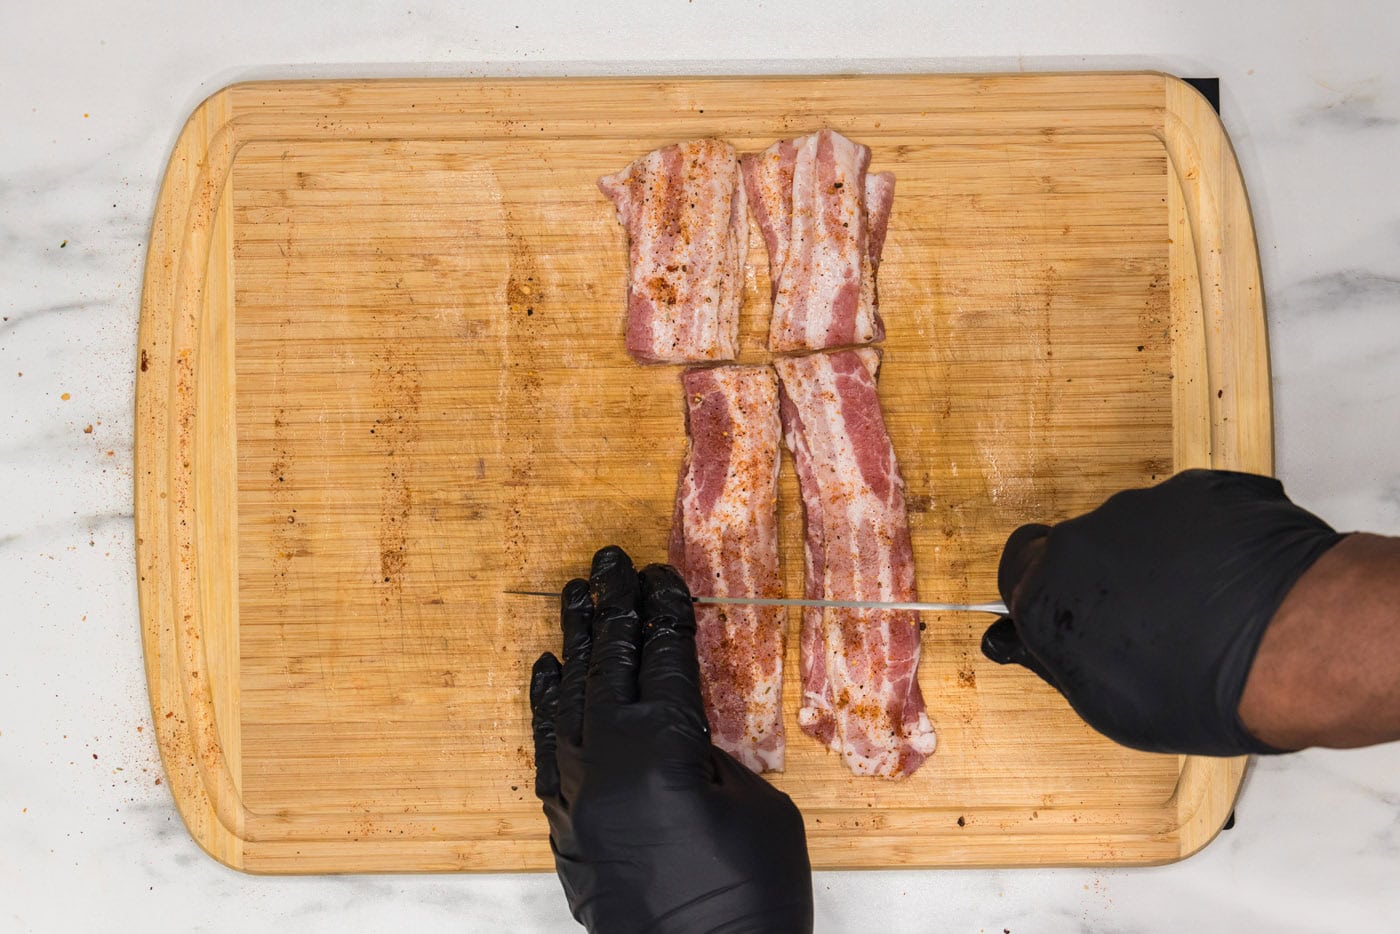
809, 196
860, 692
724, 541
686, 218
768, 183
879, 198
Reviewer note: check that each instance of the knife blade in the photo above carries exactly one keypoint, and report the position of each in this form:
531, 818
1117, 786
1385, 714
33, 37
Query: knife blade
997, 608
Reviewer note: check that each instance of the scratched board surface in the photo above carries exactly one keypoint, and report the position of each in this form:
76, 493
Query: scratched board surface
428, 402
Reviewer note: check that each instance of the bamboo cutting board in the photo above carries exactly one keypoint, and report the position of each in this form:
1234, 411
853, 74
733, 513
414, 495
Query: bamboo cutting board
382, 379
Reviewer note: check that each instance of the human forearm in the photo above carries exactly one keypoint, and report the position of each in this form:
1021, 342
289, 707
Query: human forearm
1328, 669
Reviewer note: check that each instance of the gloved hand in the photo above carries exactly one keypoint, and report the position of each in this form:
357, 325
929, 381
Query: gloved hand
653, 829
1147, 612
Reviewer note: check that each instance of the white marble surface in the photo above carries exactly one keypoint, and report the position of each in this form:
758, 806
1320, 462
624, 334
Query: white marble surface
91, 96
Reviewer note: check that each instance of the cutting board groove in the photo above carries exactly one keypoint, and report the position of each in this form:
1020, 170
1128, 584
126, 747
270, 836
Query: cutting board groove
382, 379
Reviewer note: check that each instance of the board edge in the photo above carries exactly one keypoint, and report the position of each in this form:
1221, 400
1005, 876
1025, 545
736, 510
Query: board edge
153, 480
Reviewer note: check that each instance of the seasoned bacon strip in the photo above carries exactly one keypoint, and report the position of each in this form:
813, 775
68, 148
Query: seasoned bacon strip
860, 691
809, 196
686, 217
768, 184
724, 541
879, 198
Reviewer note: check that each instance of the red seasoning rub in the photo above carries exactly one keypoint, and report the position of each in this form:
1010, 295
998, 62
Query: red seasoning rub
860, 691
685, 214
724, 541
823, 219
768, 184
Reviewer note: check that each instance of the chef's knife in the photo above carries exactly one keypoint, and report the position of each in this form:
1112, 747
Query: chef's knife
998, 608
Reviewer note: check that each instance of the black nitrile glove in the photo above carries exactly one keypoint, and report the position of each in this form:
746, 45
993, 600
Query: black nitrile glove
1147, 612
654, 829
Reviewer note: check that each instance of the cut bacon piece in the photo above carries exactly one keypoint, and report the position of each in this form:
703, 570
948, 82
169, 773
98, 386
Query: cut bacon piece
810, 197
768, 184
686, 217
860, 691
724, 541
879, 198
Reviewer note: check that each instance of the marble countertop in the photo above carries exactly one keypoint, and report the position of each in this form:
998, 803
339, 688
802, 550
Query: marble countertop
91, 97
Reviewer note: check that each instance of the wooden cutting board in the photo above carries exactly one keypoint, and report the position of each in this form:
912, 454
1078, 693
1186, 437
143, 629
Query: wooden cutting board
382, 379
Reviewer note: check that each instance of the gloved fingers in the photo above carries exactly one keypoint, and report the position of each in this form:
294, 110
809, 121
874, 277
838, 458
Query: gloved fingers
1002, 644
544, 707
617, 625
576, 621
1207, 482
1020, 555
732, 774
739, 781
670, 668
